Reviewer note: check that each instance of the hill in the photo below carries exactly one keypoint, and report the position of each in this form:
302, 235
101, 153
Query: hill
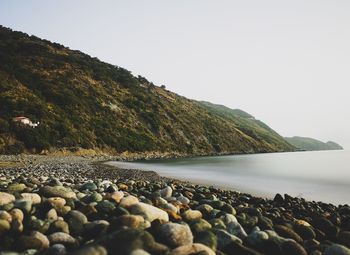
82, 102
310, 144
247, 124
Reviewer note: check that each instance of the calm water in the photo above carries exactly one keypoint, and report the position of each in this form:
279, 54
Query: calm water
321, 176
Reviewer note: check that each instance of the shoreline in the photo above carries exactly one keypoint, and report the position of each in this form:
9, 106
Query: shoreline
80, 205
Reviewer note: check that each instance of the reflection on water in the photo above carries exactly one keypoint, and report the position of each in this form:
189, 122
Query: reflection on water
323, 175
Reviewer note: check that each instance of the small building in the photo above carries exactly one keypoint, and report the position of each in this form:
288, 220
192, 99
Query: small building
25, 121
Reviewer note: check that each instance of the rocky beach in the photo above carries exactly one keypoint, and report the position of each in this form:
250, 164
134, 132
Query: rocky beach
77, 205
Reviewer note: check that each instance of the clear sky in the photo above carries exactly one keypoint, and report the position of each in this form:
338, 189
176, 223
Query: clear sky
285, 62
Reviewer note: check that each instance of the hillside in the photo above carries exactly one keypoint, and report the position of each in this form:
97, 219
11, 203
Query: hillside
247, 124
310, 144
81, 102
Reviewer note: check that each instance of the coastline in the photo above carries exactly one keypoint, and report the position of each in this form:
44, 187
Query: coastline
93, 208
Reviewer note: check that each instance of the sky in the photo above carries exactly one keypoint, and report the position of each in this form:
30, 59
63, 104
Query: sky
285, 62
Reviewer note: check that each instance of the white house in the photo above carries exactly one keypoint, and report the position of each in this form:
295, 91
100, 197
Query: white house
25, 121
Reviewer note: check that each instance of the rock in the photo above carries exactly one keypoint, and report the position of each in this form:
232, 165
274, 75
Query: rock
278, 198
59, 226
236, 229
76, 221
35, 198
94, 197
91, 250
195, 248
56, 249
139, 252
337, 249
183, 200
237, 248
174, 234
344, 238
228, 218
326, 226
6, 198
51, 215
228, 209
24, 204
63, 238
123, 186
128, 201
205, 209
149, 212
126, 240
207, 238
35, 240
57, 201
201, 225
105, 206
257, 237
57, 191
131, 221
17, 226
287, 233
224, 238
96, 228
166, 192
191, 215
17, 214
304, 231
5, 216
16, 187
4, 227
291, 247
116, 196
217, 223
88, 186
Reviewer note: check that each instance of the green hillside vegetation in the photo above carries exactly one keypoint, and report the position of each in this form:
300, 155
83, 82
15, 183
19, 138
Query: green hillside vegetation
310, 144
247, 124
82, 102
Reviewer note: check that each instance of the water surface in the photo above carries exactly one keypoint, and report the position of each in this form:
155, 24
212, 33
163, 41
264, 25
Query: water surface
321, 176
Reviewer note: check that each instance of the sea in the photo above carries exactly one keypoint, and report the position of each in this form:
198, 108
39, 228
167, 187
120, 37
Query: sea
313, 175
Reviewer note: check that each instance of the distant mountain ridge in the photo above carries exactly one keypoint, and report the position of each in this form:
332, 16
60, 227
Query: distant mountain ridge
81, 102
310, 144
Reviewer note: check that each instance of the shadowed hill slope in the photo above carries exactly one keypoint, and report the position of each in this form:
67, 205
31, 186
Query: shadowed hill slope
83, 102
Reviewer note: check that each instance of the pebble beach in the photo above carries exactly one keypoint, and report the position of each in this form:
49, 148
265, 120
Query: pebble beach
77, 205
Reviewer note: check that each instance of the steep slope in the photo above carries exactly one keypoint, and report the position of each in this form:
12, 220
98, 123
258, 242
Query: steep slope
82, 102
248, 125
310, 144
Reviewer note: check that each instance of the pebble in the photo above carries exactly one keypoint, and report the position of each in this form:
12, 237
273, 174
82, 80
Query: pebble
35, 240
191, 215
57, 191
76, 221
6, 198
224, 238
291, 247
35, 198
337, 249
149, 212
62, 238
128, 201
175, 234
195, 248
55, 209
116, 196
131, 221
166, 192
57, 201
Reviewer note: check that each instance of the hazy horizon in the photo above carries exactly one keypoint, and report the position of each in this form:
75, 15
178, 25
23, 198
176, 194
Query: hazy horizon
286, 62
